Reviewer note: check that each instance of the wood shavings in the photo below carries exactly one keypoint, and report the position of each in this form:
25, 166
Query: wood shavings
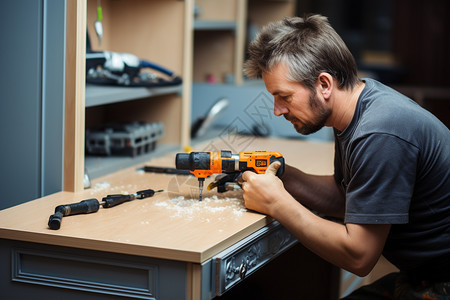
209, 209
101, 189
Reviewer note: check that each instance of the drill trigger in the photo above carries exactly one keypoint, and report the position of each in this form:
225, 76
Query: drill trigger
226, 181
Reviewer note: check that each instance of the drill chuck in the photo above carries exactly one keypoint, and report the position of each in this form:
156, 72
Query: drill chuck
193, 161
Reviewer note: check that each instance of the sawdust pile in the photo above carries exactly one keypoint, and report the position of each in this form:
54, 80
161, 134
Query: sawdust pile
101, 189
210, 207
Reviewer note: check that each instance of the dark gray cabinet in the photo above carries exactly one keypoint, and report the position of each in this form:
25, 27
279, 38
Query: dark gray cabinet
32, 35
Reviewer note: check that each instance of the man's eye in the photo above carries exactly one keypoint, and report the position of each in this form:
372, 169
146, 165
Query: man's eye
282, 97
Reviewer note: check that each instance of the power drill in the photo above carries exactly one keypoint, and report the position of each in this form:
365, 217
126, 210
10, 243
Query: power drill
205, 163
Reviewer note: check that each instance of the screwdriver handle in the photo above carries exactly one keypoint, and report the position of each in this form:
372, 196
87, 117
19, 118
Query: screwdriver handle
113, 200
83, 207
145, 193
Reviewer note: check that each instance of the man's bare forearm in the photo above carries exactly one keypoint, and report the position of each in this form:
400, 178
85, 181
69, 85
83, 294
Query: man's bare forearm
319, 193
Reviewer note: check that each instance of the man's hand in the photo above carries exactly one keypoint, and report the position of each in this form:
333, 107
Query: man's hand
263, 191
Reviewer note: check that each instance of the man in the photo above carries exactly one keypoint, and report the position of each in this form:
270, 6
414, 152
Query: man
391, 184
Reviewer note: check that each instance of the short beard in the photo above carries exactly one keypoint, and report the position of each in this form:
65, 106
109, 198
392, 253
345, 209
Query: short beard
321, 117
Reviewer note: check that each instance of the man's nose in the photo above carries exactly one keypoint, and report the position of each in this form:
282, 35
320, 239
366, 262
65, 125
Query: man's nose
279, 110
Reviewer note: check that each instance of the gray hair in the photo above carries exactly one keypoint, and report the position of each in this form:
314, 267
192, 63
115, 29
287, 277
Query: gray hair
308, 46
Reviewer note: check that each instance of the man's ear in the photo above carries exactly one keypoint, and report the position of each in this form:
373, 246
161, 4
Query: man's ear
325, 84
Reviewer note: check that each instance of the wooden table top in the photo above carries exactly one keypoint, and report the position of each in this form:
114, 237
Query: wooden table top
170, 225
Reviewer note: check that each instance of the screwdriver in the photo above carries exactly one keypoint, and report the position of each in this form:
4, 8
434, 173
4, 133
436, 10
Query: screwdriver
92, 205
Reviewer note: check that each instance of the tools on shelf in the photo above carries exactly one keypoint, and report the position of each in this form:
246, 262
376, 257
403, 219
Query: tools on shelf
129, 139
98, 26
126, 69
123, 69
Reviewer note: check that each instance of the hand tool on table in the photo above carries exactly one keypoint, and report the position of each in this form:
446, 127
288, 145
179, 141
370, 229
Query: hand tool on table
164, 170
205, 163
92, 205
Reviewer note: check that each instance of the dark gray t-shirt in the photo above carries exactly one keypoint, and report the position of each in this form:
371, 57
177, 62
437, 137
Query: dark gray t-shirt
393, 163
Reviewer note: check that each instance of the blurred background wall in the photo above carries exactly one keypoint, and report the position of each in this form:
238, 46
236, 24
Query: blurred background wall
403, 43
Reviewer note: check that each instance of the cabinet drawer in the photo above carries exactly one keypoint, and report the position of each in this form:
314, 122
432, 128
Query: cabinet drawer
245, 257
71, 271
48, 271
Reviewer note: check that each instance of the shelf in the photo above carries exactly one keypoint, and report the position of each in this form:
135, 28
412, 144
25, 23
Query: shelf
214, 25
100, 95
98, 166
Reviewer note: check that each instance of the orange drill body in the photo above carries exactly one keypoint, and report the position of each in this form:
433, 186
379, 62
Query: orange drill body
215, 165
205, 163
258, 161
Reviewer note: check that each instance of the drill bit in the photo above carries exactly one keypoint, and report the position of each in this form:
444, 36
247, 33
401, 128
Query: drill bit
200, 186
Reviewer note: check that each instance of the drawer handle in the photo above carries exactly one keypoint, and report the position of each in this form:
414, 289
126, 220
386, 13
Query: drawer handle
242, 270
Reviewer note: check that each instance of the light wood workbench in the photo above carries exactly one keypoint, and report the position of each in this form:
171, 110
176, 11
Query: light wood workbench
170, 226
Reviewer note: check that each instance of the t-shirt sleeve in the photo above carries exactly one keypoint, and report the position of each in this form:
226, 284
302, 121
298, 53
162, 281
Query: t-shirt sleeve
382, 173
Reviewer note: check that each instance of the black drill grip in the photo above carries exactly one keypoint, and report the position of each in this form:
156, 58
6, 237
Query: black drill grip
83, 207
281, 160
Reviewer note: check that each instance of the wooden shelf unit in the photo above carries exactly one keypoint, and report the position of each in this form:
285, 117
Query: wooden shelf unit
162, 32
262, 12
219, 32
101, 95
152, 30
220, 35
